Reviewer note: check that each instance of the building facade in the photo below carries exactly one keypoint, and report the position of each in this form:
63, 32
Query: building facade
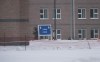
75, 19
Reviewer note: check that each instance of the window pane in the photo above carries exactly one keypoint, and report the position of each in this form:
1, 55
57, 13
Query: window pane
95, 11
79, 15
95, 16
58, 15
58, 10
83, 33
41, 10
79, 31
80, 36
79, 10
41, 16
58, 32
83, 13
54, 13
58, 36
45, 13
91, 13
96, 31
92, 33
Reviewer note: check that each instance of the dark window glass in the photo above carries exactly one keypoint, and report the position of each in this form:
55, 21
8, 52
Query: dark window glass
41, 16
41, 10
79, 31
80, 36
58, 15
58, 32
41, 37
58, 10
96, 31
95, 11
92, 33
91, 13
83, 33
79, 10
58, 37
79, 15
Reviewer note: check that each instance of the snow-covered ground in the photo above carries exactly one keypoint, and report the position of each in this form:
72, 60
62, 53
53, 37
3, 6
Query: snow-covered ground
81, 55
55, 45
53, 51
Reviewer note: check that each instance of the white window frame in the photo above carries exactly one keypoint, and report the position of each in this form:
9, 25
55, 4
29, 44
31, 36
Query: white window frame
57, 13
94, 13
82, 34
94, 33
43, 13
57, 34
82, 13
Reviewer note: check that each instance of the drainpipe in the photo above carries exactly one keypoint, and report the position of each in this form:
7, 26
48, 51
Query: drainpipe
55, 22
73, 20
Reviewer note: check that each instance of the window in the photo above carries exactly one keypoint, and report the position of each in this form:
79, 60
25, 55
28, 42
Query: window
94, 33
43, 14
94, 13
58, 34
81, 13
82, 33
57, 13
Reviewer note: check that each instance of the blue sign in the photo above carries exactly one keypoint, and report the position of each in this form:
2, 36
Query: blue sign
44, 30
